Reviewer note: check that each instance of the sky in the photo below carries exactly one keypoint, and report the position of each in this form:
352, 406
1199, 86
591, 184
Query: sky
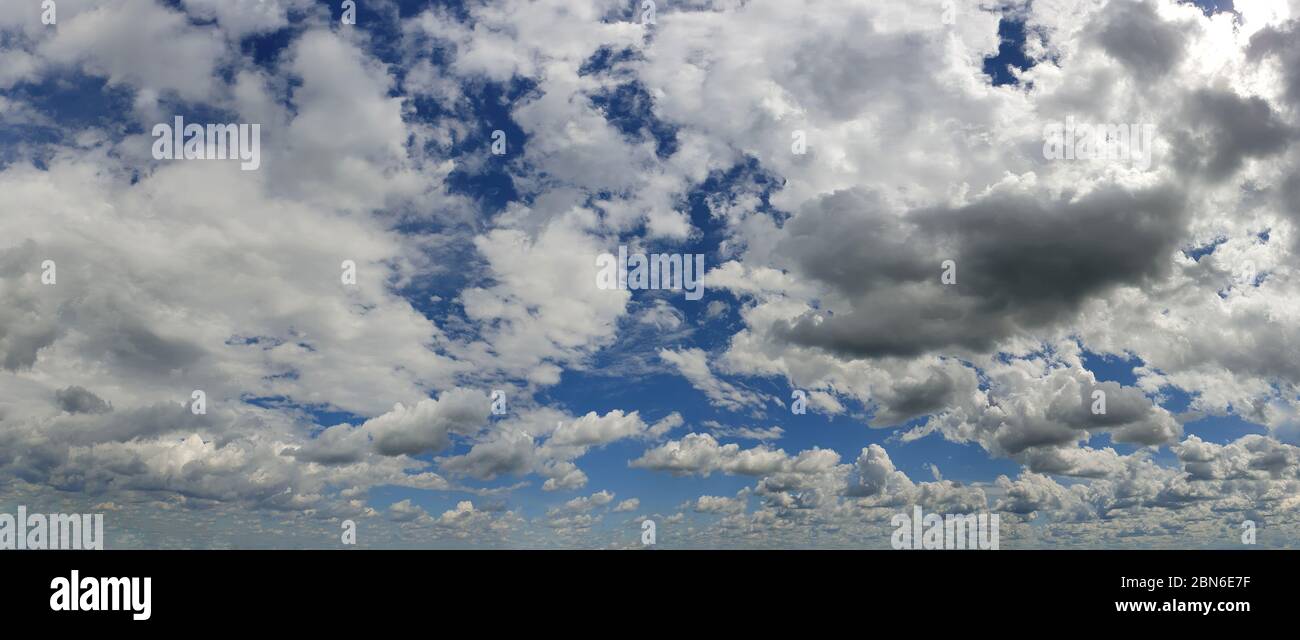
907, 298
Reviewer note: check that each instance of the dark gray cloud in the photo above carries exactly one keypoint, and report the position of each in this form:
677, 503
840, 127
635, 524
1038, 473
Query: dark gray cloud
508, 454
914, 399
137, 423
907, 399
1283, 44
1128, 415
1226, 130
1133, 34
339, 444
77, 399
1023, 261
138, 346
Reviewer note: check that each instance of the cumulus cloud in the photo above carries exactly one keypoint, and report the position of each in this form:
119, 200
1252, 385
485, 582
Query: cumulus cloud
429, 424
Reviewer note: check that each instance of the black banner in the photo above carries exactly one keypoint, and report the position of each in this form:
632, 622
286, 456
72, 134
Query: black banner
323, 589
